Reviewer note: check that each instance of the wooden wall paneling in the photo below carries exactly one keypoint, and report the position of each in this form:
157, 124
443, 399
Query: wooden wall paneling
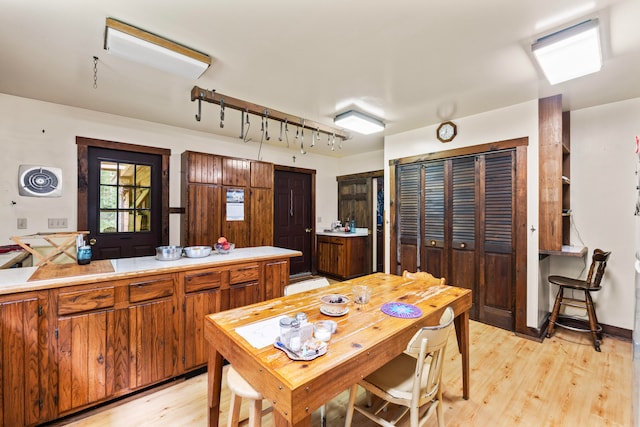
236, 172
202, 168
261, 174
550, 173
236, 231
261, 217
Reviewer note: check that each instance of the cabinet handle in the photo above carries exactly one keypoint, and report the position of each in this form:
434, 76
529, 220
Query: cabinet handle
433, 243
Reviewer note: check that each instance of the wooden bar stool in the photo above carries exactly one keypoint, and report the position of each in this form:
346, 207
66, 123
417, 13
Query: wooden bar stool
590, 284
240, 389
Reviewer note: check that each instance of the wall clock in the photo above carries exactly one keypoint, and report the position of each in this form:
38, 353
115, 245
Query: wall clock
447, 131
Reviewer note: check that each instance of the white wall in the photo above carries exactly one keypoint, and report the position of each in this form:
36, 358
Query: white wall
40, 133
603, 196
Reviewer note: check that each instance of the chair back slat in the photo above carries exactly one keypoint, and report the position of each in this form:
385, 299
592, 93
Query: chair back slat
429, 278
598, 265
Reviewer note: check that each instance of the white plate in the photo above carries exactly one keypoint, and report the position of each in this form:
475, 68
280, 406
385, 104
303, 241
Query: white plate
323, 311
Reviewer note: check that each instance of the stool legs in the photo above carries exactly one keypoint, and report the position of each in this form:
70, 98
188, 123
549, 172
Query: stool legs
594, 328
234, 410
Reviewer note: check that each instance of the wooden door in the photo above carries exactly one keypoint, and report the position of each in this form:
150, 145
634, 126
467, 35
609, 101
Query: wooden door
261, 233
202, 223
462, 268
20, 395
196, 306
293, 216
457, 218
123, 198
496, 297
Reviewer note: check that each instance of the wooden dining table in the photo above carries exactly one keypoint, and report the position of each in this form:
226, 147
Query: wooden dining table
366, 338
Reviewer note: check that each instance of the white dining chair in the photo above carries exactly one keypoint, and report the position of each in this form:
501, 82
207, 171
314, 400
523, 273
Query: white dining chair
411, 380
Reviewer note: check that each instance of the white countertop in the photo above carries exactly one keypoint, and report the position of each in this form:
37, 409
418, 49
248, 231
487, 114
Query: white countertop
360, 232
17, 279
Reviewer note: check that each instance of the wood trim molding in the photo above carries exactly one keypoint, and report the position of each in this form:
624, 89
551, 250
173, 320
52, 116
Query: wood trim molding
463, 151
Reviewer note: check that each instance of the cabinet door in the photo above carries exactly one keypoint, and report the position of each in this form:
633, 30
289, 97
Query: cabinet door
202, 167
261, 217
153, 331
197, 306
243, 294
276, 277
202, 297
236, 172
202, 222
324, 254
92, 358
236, 208
433, 253
20, 396
261, 174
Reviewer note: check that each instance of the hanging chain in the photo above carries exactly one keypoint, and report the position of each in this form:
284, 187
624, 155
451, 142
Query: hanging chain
95, 72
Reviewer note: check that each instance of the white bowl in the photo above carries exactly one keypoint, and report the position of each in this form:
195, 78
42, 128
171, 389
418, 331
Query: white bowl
334, 303
197, 251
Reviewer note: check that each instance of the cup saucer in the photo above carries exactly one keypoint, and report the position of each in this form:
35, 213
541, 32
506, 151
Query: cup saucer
342, 313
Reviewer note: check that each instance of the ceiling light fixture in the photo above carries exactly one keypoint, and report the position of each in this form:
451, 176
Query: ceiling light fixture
570, 53
137, 45
358, 122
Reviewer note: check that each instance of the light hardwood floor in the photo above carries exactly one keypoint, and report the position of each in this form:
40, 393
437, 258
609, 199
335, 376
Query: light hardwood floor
514, 382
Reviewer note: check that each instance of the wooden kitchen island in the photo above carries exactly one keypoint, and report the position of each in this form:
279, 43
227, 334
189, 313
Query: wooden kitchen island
72, 338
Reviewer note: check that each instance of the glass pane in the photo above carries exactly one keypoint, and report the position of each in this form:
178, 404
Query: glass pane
108, 173
143, 198
143, 176
126, 171
143, 220
126, 198
108, 197
126, 221
107, 222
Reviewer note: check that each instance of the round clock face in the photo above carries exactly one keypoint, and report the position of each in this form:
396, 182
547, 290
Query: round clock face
446, 131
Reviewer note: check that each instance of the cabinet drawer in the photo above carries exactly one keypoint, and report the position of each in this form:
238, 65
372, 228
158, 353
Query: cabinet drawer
201, 280
151, 289
244, 273
91, 299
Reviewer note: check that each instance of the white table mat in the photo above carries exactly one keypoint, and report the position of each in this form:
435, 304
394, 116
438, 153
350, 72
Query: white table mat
261, 334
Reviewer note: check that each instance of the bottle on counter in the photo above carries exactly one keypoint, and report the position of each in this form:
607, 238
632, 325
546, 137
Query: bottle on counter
352, 226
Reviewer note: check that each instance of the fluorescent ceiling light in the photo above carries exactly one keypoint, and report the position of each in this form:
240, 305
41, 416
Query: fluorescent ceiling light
137, 45
358, 122
570, 53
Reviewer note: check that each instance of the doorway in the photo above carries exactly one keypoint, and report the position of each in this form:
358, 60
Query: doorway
294, 210
122, 197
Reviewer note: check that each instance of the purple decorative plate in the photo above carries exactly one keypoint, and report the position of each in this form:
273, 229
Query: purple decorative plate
401, 309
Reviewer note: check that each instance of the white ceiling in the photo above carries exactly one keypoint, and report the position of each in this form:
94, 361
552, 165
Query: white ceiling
412, 63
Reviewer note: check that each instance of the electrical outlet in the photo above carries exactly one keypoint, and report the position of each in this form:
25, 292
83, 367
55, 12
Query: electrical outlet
57, 222
22, 223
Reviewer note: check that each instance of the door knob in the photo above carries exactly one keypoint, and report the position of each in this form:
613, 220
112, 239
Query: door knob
308, 230
92, 241
463, 245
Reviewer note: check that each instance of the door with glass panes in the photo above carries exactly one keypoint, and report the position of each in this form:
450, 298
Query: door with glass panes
122, 205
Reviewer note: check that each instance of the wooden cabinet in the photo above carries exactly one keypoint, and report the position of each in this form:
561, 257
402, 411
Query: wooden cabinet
243, 285
23, 397
210, 184
92, 346
69, 348
202, 297
554, 175
153, 330
342, 257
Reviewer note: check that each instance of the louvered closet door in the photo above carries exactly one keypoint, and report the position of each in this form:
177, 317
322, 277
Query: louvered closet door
463, 220
408, 201
434, 257
496, 298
